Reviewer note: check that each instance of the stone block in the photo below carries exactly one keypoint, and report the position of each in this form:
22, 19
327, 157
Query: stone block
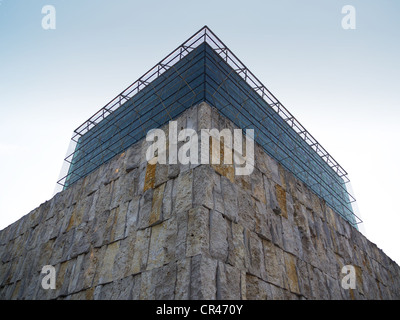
228, 282
203, 186
230, 195
257, 289
257, 185
203, 278
182, 286
183, 199
218, 236
274, 264
197, 241
164, 279
140, 252
157, 246
107, 265
291, 271
236, 246
255, 255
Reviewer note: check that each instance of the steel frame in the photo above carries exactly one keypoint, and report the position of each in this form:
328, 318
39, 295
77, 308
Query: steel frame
205, 35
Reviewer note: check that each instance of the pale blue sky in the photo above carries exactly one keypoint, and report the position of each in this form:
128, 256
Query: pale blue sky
342, 85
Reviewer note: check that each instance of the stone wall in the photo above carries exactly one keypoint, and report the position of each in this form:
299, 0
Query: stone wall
131, 230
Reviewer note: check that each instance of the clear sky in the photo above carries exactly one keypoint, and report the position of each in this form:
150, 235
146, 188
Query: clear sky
342, 85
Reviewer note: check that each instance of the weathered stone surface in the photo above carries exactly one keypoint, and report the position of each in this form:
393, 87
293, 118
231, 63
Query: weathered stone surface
274, 264
164, 282
183, 200
229, 194
291, 271
255, 255
203, 186
130, 230
257, 289
203, 278
106, 268
156, 249
182, 287
228, 282
146, 204
197, 241
236, 254
281, 197
218, 236
140, 251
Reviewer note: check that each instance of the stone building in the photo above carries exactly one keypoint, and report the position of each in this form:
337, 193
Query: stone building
127, 228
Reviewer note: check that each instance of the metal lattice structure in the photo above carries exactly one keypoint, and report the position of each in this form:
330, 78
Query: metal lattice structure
204, 69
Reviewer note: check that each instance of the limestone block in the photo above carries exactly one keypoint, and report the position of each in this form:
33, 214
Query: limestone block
197, 241
182, 287
118, 231
203, 278
274, 264
281, 198
132, 216
236, 256
146, 202
133, 157
164, 279
81, 243
117, 290
140, 253
274, 170
203, 116
318, 283
291, 238
44, 256
167, 200
270, 193
229, 194
304, 279
181, 235
257, 289
291, 271
262, 226
218, 236
106, 268
171, 244
149, 179
156, 253
146, 285
261, 160
275, 223
122, 257
156, 207
104, 198
161, 175
99, 225
255, 256
68, 240
203, 185
183, 200
228, 282
91, 263
247, 212
257, 185
63, 277
74, 284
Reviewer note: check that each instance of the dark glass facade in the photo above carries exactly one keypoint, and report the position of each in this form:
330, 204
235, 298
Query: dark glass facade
204, 75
